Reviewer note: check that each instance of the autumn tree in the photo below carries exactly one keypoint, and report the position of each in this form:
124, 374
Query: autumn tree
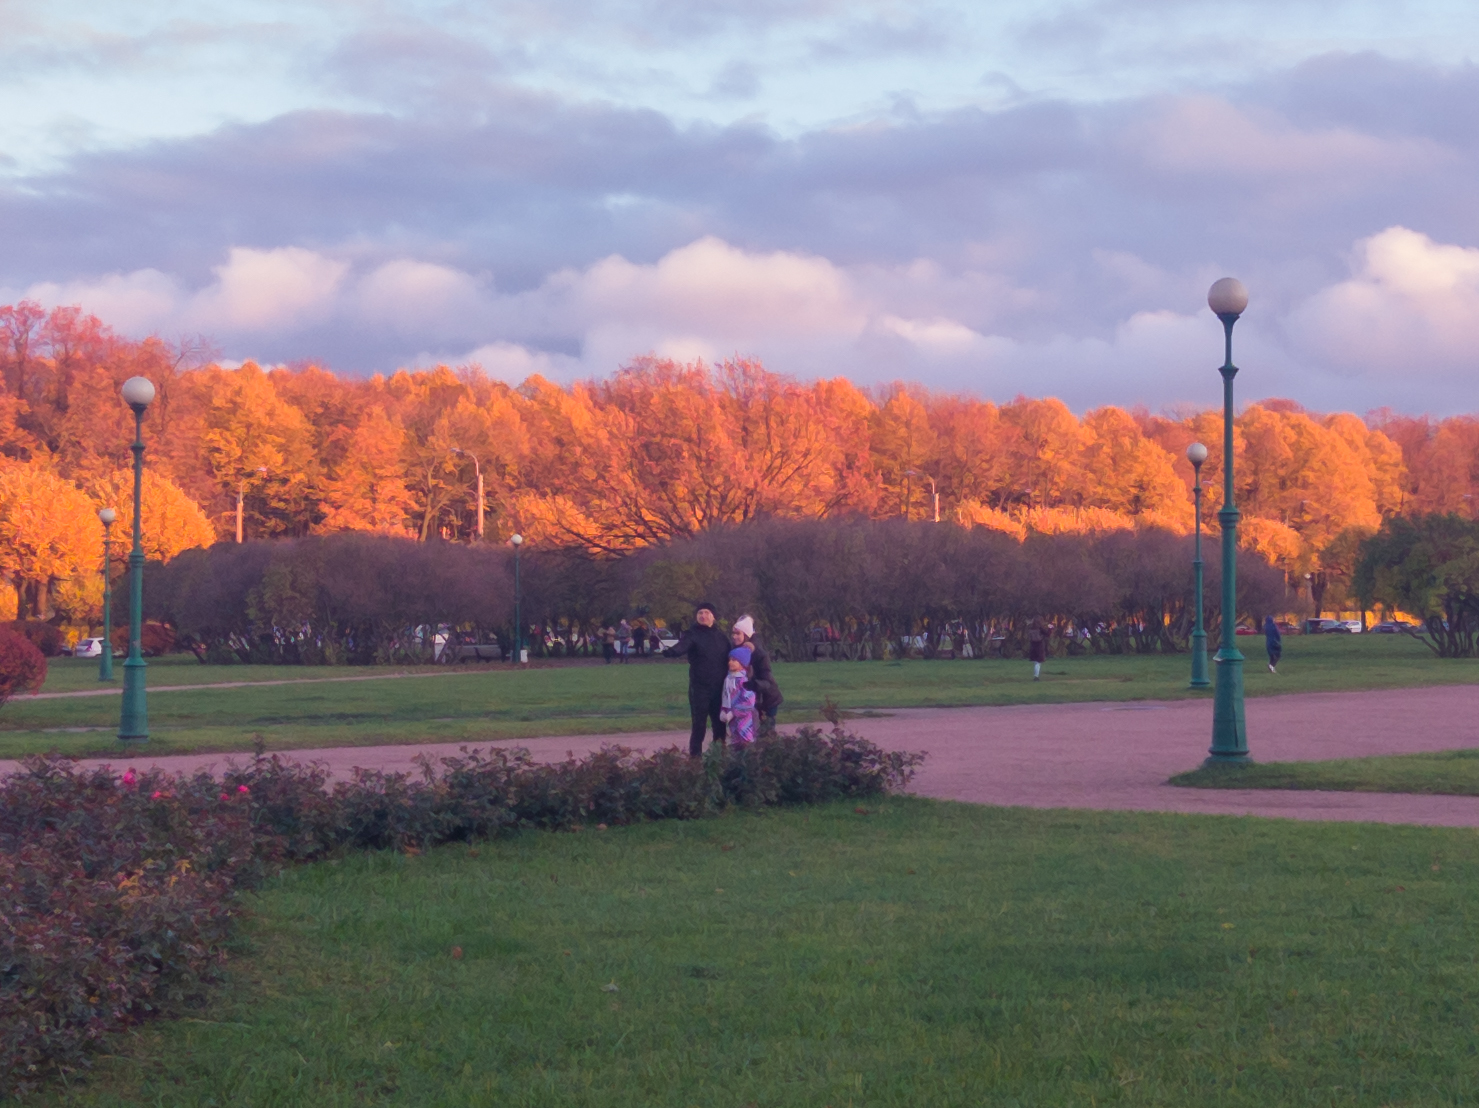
366, 490
904, 444
49, 532
254, 442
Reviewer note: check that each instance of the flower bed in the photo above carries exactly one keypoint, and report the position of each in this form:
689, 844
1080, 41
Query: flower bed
118, 892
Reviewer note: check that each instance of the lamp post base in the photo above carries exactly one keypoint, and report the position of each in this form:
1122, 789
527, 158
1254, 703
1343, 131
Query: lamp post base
134, 724
1199, 678
1229, 732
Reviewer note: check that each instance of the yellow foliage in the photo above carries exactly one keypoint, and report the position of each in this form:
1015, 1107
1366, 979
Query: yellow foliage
972, 513
172, 522
1078, 521
1275, 541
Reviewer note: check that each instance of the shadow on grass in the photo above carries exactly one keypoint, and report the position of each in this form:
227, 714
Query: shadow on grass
1446, 772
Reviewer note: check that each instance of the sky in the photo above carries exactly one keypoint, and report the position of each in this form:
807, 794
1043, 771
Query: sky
1002, 199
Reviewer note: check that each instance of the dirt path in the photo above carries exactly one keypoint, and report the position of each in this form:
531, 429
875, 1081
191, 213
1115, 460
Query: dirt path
1100, 756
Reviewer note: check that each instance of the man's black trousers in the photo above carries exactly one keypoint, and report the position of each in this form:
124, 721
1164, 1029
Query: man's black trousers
704, 704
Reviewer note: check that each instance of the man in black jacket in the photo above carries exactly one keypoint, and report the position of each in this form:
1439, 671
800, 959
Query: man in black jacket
707, 649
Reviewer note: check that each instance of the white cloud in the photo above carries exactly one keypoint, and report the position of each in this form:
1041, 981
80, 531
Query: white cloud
269, 290
137, 303
1409, 311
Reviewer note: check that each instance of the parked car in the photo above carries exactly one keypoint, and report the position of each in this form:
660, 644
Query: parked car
88, 648
1352, 625
1326, 627
1246, 631
1392, 627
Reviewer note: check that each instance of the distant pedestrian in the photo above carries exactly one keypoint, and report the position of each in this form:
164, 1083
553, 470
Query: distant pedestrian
1273, 640
608, 643
623, 640
639, 639
1037, 647
707, 650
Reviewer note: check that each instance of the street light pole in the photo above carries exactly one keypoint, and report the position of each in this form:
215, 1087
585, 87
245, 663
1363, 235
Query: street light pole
133, 726
105, 660
1196, 454
1227, 298
478, 466
518, 541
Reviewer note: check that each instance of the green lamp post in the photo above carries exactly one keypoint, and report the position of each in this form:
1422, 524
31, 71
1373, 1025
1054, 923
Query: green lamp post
133, 726
518, 541
1227, 298
1196, 454
105, 659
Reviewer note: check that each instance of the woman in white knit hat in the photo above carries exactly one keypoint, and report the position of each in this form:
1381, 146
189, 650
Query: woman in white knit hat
768, 698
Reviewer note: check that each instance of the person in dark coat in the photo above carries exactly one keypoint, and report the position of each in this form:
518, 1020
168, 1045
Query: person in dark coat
707, 650
1037, 647
762, 678
1273, 641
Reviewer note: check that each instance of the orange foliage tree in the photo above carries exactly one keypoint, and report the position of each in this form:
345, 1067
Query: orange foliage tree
661, 450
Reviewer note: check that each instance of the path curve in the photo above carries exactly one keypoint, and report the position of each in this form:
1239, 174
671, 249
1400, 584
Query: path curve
1097, 756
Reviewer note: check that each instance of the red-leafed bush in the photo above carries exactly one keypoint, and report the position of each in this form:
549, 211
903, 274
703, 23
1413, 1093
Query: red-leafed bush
155, 638
118, 892
46, 637
22, 665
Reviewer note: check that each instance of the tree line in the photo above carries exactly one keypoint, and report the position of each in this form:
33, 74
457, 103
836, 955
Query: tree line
845, 589
659, 452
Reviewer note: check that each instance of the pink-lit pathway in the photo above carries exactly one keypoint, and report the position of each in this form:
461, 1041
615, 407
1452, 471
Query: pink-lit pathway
1103, 756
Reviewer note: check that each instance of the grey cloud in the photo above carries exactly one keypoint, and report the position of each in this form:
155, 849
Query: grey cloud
736, 81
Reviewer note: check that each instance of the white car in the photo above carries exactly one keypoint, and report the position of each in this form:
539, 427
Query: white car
88, 648
1352, 625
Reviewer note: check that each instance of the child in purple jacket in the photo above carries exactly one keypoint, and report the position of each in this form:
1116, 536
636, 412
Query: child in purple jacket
738, 706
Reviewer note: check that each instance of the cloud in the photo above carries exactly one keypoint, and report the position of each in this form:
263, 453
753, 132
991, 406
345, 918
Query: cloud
1411, 308
1038, 245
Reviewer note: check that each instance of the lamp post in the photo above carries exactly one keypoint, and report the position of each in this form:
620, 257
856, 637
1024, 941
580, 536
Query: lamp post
133, 726
1196, 454
1227, 298
518, 541
934, 490
477, 465
105, 660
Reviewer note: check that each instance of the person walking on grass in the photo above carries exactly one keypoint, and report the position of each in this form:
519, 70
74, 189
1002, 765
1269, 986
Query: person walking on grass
707, 650
1273, 640
1037, 647
623, 639
608, 643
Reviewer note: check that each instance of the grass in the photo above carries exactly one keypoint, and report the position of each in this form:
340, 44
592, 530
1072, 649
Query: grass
923, 953
1452, 772
489, 704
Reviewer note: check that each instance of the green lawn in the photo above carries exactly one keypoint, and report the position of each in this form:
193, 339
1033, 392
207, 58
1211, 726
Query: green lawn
480, 705
922, 954
1454, 772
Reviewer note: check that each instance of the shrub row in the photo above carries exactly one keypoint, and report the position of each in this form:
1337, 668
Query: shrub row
875, 587
118, 892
